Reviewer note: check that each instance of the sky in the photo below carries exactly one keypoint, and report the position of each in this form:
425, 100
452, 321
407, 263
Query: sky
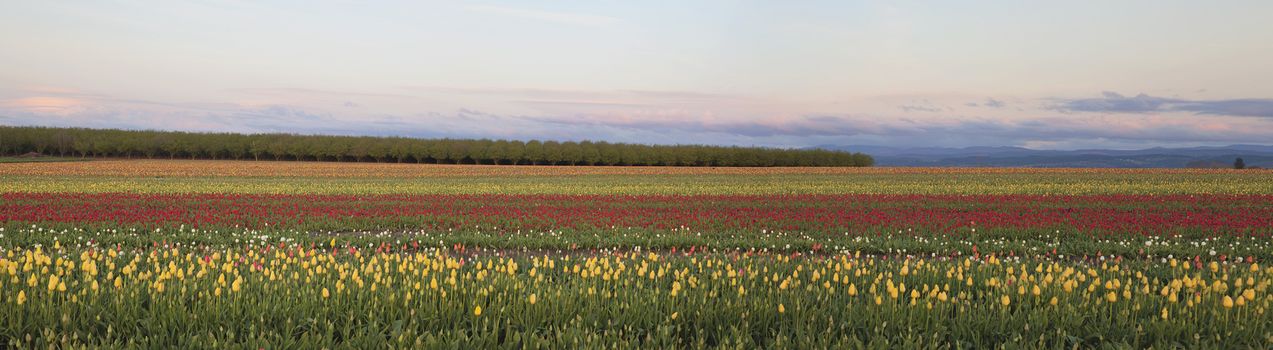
1046, 75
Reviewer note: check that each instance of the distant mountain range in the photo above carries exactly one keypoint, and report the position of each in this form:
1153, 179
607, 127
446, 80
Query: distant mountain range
1158, 157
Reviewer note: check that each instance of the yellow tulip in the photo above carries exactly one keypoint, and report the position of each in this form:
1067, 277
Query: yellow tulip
22, 297
326, 294
1227, 302
1005, 300
532, 299
781, 308
477, 311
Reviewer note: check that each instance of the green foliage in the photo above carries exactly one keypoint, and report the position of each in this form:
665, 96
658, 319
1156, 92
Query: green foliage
85, 143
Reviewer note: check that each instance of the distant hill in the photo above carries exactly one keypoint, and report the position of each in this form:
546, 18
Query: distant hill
1253, 155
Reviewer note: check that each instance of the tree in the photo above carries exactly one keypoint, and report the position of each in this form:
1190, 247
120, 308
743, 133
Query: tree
1239, 164
497, 152
150, 144
534, 151
516, 151
459, 151
258, 147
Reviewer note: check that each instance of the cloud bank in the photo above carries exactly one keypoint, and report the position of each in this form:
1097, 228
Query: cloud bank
1112, 102
668, 117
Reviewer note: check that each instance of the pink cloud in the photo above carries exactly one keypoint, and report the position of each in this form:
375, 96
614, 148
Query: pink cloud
44, 104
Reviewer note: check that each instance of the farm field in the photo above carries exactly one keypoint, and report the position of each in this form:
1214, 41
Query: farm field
190, 253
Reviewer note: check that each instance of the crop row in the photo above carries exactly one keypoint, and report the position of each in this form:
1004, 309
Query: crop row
205, 168
828, 214
969, 184
294, 296
1076, 247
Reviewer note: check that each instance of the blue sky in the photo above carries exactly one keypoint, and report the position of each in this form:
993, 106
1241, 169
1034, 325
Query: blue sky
1057, 75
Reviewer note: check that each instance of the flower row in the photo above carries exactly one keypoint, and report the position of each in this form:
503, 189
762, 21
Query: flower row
297, 296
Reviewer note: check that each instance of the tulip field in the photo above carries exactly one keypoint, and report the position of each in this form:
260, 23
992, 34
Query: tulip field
216, 254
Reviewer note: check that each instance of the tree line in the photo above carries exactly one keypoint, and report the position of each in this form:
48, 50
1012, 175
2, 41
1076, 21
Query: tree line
110, 143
